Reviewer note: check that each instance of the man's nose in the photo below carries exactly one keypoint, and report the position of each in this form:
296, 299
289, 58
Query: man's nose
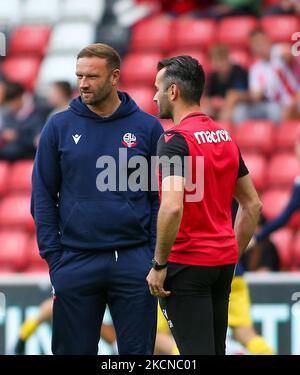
84, 83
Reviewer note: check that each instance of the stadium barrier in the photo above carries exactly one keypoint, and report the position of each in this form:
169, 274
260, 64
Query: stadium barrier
275, 310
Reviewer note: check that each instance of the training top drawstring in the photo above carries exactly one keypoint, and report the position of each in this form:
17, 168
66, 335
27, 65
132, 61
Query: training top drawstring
116, 255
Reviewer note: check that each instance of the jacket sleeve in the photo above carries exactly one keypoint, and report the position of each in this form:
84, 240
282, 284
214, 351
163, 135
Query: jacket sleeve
283, 218
46, 179
153, 190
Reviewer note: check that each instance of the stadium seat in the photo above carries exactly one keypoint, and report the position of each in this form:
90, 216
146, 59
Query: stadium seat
267, 3
140, 68
256, 135
29, 40
71, 37
56, 68
20, 176
282, 170
22, 69
152, 34
257, 167
4, 174
280, 28
295, 249
10, 12
240, 57
193, 33
143, 96
90, 10
15, 212
283, 239
34, 259
274, 201
227, 126
40, 12
287, 134
13, 249
234, 31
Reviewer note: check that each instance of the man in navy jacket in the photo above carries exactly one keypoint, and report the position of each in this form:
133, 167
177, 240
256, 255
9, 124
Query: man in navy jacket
95, 227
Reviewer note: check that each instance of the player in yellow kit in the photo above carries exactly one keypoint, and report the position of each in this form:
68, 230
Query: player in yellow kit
239, 318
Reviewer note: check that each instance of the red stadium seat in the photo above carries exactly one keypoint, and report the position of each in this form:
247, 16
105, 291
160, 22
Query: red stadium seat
15, 212
257, 167
152, 35
280, 28
143, 96
256, 135
295, 262
240, 57
20, 176
37, 269
274, 201
33, 255
282, 170
32, 40
22, 69
267, 3
193, 33
13, 249
234, 31
4, 173
227, 126
283, 239
140, 68
287, 134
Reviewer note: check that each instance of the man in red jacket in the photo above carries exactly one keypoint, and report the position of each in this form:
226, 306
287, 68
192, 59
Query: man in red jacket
197, 249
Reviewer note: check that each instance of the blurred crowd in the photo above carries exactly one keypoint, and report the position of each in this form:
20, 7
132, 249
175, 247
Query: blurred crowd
22, 116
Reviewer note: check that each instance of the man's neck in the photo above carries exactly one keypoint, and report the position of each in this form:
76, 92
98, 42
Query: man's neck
108, 107
183, 111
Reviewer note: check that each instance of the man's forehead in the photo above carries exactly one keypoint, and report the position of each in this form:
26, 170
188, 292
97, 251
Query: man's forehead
159, 76
91, 63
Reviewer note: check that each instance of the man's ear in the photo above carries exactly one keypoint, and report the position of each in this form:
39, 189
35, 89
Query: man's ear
115, 77
173, 92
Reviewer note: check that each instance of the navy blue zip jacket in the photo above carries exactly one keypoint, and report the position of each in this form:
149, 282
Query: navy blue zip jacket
68, 206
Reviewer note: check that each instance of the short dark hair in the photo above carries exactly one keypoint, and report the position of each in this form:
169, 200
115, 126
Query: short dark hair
13, 90
219, 52
64, 87
103, 51
187, 73
256, 31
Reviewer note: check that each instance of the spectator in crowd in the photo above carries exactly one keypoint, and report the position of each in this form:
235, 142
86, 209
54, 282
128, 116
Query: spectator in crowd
263, 256
264, 85
2, 95
228, 8
59, 96
22, 121
287, 68
180, 7
284, 7
227, 85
